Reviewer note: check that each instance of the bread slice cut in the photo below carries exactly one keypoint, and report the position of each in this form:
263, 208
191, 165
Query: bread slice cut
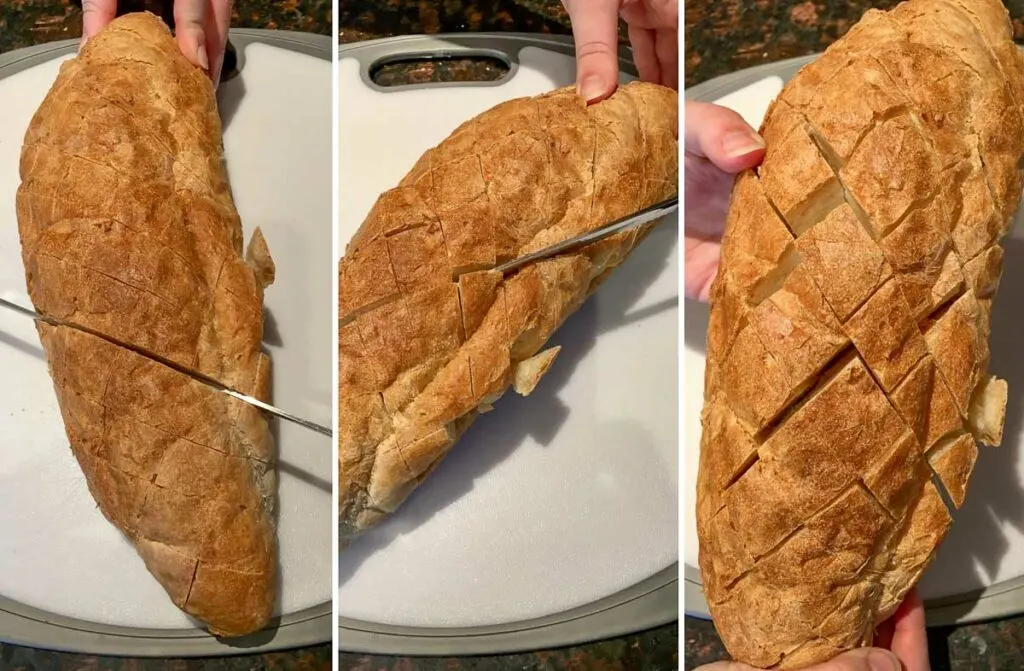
987, 414
430, 335
847, 351
953, 460
128, 228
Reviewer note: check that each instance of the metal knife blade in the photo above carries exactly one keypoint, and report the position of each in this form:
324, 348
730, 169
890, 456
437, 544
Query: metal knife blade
644, 216
209, 381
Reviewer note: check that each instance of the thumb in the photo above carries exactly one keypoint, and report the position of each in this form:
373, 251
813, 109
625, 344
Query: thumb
595, 32
861, 659
189, 27
722, 136
95, 15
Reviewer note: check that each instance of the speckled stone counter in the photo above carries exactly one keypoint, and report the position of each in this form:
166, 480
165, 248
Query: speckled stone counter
27, 22
373, 19
14, 658
361, 20
654, 650
727, 35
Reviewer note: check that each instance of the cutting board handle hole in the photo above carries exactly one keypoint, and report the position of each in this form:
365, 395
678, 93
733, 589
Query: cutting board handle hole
426, 69
232, 64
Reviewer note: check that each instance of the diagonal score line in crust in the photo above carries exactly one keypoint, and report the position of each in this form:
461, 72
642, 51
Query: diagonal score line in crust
164, 361
649, 214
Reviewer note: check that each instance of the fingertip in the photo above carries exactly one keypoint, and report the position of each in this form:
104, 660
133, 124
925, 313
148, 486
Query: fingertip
910, 635
912, 601
864, 659
594, 87
202, 58
645, 56
725, 666
740, 142
95, 15
595, 40
722, 136
192, 43
739, 163
704, 295
883, 660
217, 69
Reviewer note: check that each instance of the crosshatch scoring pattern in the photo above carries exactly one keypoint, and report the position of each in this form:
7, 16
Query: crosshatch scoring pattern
430, 335
848, 343
105, 164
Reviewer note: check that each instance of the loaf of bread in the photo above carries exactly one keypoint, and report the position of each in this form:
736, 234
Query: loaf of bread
847, 352
430, 335
128, 228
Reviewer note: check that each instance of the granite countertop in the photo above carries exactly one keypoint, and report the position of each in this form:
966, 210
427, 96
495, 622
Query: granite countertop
27, 22
373, 19
723, 36
654, 650
727, 35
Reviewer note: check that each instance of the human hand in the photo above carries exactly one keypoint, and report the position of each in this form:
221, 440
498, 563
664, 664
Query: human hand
901, 645
719, 144
653, 28
905, 634
201, 27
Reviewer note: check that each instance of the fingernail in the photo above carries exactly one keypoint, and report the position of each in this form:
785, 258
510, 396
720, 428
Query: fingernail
201, 57
879, 660
591, 87
741, 142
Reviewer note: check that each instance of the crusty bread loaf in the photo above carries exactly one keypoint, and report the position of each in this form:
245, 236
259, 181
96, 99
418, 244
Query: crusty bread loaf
128, 228
430, 336
847, 351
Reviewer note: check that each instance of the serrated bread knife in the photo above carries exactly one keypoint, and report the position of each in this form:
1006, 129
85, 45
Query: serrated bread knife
209, 381
644, 216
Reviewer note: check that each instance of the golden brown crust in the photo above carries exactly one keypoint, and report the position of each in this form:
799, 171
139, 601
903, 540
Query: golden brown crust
429, 336
848, 338
128, 228
953, 461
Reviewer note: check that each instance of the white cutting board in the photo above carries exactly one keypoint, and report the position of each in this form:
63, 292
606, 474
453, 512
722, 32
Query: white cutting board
57, 552
551, 501
986, 544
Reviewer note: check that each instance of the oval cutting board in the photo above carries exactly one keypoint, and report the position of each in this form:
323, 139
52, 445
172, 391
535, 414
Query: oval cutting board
554, 520
978, 572
68, 578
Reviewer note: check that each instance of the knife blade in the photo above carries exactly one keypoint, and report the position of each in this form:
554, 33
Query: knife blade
644, 216
196, 375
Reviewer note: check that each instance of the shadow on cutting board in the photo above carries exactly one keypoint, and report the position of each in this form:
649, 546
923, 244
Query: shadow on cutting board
229, 99
495, 435
284, 467
271, 333
976, 546
25, 347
